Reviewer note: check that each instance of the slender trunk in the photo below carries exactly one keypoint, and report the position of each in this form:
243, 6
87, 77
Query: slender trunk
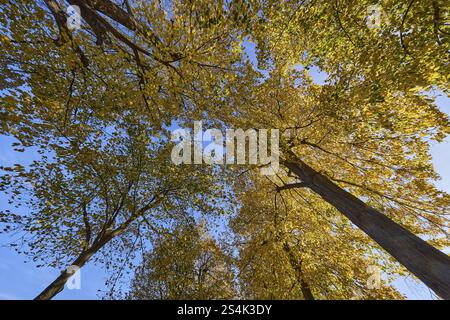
102, 239
296, 265
58, 284
420, 258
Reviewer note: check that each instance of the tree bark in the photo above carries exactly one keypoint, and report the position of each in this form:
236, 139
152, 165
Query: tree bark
102, 239
58, 284
420, 258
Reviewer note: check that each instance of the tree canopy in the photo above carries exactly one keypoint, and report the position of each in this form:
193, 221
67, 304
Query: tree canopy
356, 186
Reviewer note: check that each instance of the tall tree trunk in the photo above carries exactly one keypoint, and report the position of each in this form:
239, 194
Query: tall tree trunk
423, 260
296, 265
58, 284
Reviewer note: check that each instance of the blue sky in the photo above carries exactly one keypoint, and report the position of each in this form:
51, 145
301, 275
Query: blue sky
20, 279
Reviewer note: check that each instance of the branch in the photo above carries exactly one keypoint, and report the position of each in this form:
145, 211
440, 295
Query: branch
401, 26
64, 33
60, 18
341, 25
116, 13
150, 204
436, 21
130, 43
86, 225
89, 17
292, 185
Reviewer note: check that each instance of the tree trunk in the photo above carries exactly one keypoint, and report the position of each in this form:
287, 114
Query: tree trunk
420, 258
296, 265
102, 239
58, 284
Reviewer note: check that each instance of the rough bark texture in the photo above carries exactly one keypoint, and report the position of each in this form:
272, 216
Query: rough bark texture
420, 258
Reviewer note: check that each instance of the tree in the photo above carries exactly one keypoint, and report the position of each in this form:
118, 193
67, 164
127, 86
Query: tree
294, 246
329, 145
102, 112
363, 134
103, 189
184, 264
375, 85
175, 67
